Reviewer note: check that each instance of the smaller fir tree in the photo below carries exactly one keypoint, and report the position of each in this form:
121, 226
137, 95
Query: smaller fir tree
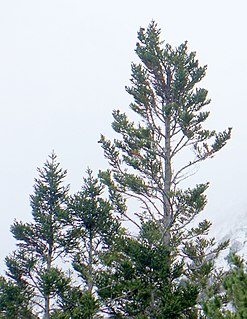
32, 268
15, 297
230, 301
93, 229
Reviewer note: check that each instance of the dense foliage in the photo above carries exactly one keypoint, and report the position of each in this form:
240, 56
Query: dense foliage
127, 245
145, 165
231, 301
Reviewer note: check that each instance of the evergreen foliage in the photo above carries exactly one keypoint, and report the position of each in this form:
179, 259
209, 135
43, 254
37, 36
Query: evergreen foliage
231, 301
162, 267
92, 229
32, 268
145, 165
14, 299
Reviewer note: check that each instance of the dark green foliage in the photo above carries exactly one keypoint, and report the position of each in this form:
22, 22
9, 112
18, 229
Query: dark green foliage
32, 267
81, 228
231, 300
45, 236
235, 284
93, 231
77, 304
148, 161
140, 284
165, 267
14, 300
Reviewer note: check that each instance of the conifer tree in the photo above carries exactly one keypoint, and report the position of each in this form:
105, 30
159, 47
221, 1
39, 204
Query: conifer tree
231, 300
93, 232
33, 267
147, 163
15, 298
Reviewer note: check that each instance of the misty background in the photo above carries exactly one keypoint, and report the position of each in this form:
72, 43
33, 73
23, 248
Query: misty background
63, 68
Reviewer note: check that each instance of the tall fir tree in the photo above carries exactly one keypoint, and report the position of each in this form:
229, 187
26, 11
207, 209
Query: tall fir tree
147, 164
33, 267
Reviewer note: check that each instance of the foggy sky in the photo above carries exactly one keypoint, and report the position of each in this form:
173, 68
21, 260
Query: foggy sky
63, 69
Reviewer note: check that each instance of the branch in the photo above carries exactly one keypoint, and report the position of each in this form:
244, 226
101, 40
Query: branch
189, 165
145, 204
178, 147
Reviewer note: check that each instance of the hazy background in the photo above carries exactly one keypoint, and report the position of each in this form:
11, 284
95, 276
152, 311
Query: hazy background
63, 68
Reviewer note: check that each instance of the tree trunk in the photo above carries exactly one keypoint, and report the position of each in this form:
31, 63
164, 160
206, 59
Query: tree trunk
167, 213
90, 266
47, 297
47, 307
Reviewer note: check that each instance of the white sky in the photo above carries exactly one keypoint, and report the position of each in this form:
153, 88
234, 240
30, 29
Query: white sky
63, 68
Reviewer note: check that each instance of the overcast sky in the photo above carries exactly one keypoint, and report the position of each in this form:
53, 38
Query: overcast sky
63, 68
